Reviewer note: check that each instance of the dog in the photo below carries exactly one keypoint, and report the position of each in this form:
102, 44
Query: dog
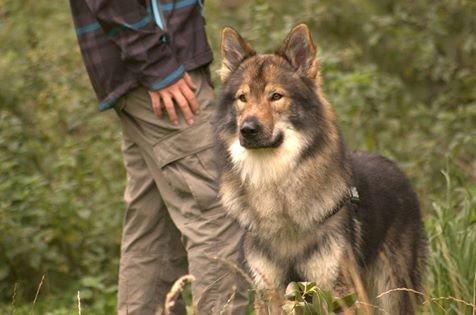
312, 210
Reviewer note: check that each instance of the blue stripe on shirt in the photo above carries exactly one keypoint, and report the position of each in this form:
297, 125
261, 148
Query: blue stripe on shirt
177, 73
80, 31
138, 25
134, 26
106, 105
177, 5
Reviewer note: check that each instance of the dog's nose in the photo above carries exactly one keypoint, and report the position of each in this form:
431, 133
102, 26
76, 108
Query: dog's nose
250, 128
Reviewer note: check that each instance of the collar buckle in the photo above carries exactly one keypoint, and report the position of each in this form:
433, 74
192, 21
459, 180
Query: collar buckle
354, 195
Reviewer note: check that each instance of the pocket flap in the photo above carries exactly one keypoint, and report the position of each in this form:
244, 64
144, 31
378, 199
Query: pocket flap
191, 140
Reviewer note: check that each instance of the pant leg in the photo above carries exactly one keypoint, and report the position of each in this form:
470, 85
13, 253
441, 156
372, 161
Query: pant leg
152, 255
180, 158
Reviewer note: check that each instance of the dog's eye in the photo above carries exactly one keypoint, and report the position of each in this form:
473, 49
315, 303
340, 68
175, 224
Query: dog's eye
242, 98
276, 96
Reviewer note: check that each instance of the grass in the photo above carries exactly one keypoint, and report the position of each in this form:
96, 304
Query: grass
450, 286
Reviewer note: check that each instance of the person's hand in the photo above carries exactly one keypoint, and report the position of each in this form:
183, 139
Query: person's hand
182, 92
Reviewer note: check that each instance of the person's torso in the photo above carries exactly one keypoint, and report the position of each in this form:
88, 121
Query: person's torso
110, 76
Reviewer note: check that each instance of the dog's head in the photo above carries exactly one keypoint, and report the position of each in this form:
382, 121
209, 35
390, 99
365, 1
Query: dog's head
265, 97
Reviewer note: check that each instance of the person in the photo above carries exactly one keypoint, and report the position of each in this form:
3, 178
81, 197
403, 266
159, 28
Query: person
149, 61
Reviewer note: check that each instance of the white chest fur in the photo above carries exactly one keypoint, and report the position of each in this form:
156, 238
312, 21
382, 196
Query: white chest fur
259, 167
280, 192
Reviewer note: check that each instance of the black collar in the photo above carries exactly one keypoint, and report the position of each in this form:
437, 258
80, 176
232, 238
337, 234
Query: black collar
351, 196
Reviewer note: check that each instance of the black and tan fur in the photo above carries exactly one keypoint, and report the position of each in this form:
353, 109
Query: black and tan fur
286, 175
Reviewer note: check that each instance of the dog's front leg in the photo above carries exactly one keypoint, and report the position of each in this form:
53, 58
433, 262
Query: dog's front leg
269, 282
323, 266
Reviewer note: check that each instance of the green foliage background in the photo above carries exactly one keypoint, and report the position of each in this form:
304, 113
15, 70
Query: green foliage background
400, 74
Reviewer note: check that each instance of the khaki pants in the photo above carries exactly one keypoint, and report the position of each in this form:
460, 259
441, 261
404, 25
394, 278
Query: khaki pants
174, 222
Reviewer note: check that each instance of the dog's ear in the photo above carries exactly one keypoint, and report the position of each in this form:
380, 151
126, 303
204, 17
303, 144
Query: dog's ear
299, 49
234, 49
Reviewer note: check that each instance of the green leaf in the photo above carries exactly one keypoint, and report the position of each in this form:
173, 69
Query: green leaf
293, 291
342, 303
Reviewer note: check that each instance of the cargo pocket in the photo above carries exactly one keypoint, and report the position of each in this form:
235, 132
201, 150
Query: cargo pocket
186, 159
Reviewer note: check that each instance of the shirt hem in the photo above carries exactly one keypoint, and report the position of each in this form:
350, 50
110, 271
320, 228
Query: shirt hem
195, 62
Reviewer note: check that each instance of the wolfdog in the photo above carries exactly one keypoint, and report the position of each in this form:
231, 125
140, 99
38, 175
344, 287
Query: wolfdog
313, 211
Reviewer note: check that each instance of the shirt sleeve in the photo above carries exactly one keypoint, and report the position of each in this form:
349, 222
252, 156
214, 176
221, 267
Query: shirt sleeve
145, 47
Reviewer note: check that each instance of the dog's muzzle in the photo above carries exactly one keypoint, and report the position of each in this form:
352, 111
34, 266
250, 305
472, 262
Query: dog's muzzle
253, 135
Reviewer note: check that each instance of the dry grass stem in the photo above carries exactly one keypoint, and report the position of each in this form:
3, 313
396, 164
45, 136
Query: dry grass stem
427, 299
474, 295
234, 267
79, 303
259, 302
14, 295
400, 289
175, 291
228, 302
274, 298
371, 306
38, 290
450, 298
351, 273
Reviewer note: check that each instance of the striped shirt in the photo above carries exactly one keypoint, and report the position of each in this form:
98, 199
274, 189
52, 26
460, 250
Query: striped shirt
128, 43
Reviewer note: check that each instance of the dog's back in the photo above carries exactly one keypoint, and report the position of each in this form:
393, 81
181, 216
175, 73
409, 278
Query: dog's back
393, 243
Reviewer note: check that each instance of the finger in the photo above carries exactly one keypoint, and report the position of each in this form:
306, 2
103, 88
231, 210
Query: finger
191, 98
189, 81
156, 104
184, 106
169, 107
